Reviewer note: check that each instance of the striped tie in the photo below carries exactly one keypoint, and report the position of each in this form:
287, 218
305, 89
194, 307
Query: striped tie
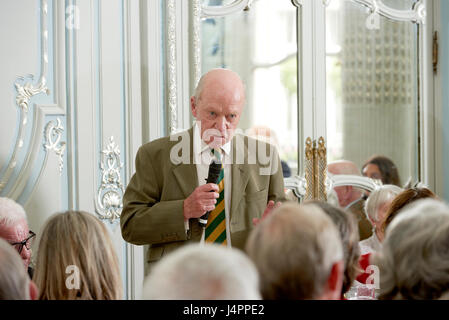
216, 224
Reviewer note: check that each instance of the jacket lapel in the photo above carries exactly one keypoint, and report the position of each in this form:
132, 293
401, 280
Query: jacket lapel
239, 172
186, 173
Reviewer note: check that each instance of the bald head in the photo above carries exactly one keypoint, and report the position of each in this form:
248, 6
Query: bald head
217, 105
221, 81
343, 167
345, 194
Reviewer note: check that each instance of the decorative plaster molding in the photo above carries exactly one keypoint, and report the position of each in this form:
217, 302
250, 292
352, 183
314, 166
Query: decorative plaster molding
109, 201
297, 3
417, 14
171, 65
220, 11
196, 38
25, 91
53, 136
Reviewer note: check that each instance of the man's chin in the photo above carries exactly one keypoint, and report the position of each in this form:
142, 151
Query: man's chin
216, 142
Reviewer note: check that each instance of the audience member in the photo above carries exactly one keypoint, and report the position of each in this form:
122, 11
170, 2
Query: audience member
381, 168
351, 198
405, 197
413, 263
299, 254
349, 233
14, 229
15, 284
203, 272
400, 201
376, 207
76, 259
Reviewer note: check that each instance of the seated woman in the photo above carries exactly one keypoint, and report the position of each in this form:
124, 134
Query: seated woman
381, 168
376, 207
413, 263
76, 260
404, 198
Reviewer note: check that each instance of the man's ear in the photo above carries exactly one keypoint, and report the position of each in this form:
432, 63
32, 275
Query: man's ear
34, 292
335, 280
193, 105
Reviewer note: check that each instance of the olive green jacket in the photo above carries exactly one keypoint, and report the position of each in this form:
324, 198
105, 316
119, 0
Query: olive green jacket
153, 201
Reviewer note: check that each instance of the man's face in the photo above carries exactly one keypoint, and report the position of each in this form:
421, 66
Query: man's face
17, 233
218, 115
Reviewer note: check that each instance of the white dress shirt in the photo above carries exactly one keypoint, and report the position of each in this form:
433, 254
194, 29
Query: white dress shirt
202, 157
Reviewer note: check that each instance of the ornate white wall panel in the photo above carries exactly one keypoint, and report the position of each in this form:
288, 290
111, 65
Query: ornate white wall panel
36, 96
87, 155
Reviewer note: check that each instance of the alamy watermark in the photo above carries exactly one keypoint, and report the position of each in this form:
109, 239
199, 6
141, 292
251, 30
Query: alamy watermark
72, 282
244, 151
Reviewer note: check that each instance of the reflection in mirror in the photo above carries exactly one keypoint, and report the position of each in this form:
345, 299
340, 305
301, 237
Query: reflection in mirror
260, 45
372, 87
215, 3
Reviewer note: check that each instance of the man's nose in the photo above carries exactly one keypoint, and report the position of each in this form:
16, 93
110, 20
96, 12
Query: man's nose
25, 254
222, 124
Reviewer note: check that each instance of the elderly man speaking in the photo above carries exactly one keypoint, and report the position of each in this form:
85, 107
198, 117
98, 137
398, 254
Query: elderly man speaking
168, 192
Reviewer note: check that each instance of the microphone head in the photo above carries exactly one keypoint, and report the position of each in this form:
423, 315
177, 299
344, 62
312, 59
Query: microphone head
214, 172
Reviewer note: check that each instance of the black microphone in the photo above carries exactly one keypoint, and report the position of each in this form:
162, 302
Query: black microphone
212, 177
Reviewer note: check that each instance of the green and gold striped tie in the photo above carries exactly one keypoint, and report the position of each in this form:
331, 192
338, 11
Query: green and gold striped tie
216, 224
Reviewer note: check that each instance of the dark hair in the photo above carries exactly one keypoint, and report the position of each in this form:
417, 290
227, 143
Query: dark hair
387, 168
347, 227
404, 198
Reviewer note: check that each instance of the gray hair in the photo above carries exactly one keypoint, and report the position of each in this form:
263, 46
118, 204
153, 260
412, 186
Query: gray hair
203, 272
10, 212
14, 280
378, 198
294, 250
413, 263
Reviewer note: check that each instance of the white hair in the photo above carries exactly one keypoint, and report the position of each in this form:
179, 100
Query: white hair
14, 280
203, 272
10, 212
413, 263
378, 198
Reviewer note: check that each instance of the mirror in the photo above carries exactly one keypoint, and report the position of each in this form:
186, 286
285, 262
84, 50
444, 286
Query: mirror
260, 45
372, 75
372, 80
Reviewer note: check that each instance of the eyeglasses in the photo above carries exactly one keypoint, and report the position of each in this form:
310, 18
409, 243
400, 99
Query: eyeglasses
28, 242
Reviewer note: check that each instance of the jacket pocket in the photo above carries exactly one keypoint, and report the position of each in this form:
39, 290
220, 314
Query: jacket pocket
259, 195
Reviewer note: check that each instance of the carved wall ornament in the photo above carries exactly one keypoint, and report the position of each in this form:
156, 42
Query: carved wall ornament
109, 201
196, 40
53, 136
171, 65
416, 14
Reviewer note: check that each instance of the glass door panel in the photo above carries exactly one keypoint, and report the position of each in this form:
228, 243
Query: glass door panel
372, 86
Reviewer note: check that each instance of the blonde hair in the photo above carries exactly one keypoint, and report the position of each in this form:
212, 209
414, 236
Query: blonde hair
76, 238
